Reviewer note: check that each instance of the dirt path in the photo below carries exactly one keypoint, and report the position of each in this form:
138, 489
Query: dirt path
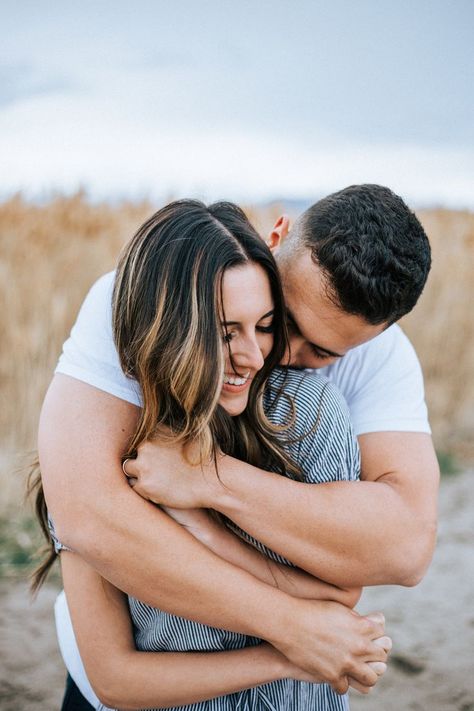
31, 670
432, 667
432, 625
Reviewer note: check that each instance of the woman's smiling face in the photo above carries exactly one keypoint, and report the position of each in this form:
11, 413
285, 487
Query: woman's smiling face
247, 306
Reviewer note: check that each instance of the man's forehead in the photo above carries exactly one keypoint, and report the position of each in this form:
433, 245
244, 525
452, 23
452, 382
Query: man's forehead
306, 291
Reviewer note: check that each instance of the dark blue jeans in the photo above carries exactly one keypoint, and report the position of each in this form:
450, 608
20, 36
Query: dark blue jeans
73, 699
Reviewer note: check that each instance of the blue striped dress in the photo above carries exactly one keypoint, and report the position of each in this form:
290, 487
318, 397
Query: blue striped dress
322, 443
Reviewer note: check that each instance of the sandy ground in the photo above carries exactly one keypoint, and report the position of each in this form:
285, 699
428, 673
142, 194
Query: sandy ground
432, 665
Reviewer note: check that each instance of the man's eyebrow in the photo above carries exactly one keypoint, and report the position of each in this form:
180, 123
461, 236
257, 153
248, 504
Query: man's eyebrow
326, 351
236, 323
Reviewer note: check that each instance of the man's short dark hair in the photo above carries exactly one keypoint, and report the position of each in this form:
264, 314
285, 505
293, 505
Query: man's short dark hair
371, 248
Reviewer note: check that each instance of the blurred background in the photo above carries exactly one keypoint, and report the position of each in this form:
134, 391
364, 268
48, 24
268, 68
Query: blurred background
110, 109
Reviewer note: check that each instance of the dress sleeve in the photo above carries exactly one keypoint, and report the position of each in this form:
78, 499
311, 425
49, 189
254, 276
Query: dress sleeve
382, 383
321, 439
58, 546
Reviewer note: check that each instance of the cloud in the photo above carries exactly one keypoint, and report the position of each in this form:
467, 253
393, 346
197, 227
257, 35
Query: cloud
21, 82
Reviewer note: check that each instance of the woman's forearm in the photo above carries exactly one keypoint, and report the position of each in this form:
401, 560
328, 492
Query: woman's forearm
137, 680
224, 543
125, 678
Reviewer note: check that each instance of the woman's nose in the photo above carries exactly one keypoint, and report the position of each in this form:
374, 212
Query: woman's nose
250, 355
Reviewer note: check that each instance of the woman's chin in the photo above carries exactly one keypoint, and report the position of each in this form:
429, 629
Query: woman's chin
233, 404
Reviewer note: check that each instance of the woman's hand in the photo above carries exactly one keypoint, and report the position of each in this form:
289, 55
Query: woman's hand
199, 522
161, 473
289, 670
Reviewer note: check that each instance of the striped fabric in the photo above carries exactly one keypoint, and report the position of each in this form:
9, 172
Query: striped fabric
323, 444
328, 452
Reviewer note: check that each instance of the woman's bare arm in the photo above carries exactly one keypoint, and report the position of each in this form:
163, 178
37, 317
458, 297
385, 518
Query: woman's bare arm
125, 678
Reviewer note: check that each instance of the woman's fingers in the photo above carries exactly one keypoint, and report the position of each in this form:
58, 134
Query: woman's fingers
359, 687
378, 667
377, 617
384, 642
129, 467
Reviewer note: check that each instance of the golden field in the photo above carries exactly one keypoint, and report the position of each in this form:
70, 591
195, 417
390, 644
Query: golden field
51, 254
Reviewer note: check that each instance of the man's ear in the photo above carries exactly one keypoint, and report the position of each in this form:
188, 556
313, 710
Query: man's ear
279, 232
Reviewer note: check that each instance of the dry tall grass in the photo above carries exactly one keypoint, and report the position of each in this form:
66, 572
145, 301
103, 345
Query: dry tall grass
50, 255
442, 329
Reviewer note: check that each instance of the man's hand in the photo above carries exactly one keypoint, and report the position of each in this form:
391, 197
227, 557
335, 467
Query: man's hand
163, 474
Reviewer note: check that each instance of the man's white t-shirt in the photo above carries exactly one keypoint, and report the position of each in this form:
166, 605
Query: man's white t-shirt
381, 380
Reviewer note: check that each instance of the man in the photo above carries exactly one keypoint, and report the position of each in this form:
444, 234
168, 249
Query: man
354, 263
381, 530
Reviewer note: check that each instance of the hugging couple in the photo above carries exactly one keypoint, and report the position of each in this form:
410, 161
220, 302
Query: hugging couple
234, 443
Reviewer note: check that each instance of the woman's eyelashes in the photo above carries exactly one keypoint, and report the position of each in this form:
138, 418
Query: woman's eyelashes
270, 328
228, 336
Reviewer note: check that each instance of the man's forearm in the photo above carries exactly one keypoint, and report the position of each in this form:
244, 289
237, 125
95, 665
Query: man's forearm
347, 533
229, 546
176, 573
129, 541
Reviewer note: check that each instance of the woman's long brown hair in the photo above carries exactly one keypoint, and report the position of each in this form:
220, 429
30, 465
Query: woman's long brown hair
167, 315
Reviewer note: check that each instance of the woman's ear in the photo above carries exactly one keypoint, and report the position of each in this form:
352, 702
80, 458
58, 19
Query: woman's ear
279, 232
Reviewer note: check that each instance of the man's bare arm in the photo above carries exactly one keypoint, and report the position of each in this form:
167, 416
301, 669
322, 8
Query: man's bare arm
296, 582
377, 531
83, 432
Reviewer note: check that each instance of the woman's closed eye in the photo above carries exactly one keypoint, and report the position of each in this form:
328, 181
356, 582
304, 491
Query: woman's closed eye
266, 328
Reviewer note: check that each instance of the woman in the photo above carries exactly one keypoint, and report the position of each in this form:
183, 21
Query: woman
199, 323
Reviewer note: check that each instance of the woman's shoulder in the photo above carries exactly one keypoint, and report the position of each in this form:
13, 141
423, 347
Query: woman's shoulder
316, 427
307, 400
306, 388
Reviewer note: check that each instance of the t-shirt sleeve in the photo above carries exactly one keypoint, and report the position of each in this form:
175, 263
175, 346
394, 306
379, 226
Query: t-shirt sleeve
89, 354
382, 383
390, 393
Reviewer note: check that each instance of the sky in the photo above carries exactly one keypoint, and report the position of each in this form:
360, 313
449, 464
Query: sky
251, 100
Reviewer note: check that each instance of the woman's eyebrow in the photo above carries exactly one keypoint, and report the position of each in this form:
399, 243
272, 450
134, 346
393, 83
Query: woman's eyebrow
267, 315
236, 323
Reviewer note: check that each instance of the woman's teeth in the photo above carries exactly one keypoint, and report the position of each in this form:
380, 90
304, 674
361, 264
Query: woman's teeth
234, 380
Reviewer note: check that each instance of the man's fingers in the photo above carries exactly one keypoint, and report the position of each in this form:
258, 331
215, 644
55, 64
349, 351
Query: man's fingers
378, 667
